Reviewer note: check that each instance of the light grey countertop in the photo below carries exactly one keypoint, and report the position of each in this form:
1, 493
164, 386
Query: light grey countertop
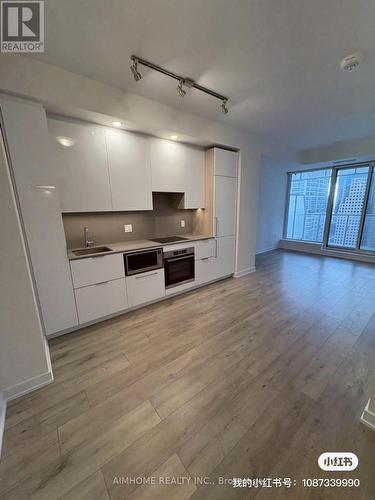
129, 246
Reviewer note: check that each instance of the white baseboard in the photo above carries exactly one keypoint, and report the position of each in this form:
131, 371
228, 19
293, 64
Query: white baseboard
367, 417
28, 385
244, 272
3, 407
275, 247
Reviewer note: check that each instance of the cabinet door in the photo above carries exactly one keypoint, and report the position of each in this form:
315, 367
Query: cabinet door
195, 178
225, 256
225, 163
100, 300
206, 270
27, 137
129, 170
168, 166
82, 167
145, 287
225, 205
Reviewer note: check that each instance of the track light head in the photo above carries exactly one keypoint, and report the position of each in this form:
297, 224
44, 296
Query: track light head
134, 69
180, 88
223, 106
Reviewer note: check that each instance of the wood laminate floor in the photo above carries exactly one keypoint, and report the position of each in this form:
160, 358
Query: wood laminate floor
245, 378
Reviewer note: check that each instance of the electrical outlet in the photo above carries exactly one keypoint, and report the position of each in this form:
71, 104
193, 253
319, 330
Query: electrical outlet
128, 228
182, 223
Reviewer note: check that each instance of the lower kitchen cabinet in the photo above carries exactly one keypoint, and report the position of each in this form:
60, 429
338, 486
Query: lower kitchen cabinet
225, 255
97, 269
219, 266
206, 270
145, 287
205, 248
100, 300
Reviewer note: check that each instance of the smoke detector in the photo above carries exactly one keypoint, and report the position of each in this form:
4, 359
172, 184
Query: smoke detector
349, 63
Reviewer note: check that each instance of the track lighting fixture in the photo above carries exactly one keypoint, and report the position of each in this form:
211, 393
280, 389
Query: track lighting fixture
223, 106
180, 88
184, 84
134, 69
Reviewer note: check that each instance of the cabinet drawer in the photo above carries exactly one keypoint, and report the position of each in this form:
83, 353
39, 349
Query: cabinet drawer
204, 249
100, 300
145, 287
206, 270
97, 269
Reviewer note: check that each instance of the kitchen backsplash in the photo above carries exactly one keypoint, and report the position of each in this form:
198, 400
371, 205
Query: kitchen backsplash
108, 227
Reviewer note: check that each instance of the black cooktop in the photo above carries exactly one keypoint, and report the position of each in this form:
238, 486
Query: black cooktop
169, 239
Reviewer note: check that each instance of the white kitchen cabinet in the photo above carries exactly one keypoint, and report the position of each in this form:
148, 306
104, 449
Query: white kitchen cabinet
28, 141
225, 162
225, 203
168, 166
194, 179
100, 300
225, 255
129, 170
177, 168
220, 265
97, 269
206, 270
204, 249
82, 167
145, 287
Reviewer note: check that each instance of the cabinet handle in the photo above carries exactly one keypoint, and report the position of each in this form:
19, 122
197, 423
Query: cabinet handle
216, 226
215, 248
147, 275
205, 258
102, 283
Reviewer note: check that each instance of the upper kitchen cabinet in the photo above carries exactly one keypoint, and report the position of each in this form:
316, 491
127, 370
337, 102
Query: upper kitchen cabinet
129, 170
80, 159
225, 162
177, 168
195, 179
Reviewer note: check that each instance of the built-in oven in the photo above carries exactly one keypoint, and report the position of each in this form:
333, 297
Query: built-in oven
179, 267
142, 261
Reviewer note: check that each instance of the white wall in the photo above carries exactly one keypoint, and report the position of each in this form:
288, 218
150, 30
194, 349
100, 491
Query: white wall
24, 357
350, 151
74, 95
271, 206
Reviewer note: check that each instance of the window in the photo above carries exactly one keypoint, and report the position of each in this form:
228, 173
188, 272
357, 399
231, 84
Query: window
333, 206
348, 203
308, 198
368, 235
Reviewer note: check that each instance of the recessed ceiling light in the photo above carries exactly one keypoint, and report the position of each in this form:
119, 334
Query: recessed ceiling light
117, 124
174, 137
65, 141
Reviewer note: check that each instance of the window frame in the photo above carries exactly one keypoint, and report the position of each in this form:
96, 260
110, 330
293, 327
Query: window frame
334, 168
286, 215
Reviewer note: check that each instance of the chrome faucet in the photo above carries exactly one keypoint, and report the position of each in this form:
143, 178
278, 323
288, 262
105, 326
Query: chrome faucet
88, 243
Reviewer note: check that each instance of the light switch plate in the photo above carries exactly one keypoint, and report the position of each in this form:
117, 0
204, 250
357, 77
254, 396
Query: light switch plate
128, 228
182, 223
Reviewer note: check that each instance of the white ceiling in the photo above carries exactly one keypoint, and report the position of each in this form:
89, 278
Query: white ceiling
277, 60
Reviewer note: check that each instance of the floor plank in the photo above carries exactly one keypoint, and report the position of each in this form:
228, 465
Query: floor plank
249, 377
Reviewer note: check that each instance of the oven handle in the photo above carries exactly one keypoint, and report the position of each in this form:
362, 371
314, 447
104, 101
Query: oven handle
183, 257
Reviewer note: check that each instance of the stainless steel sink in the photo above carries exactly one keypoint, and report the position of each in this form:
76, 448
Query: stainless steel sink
93, 250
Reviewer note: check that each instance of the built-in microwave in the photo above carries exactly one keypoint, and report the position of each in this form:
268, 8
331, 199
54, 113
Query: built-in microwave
142, 261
